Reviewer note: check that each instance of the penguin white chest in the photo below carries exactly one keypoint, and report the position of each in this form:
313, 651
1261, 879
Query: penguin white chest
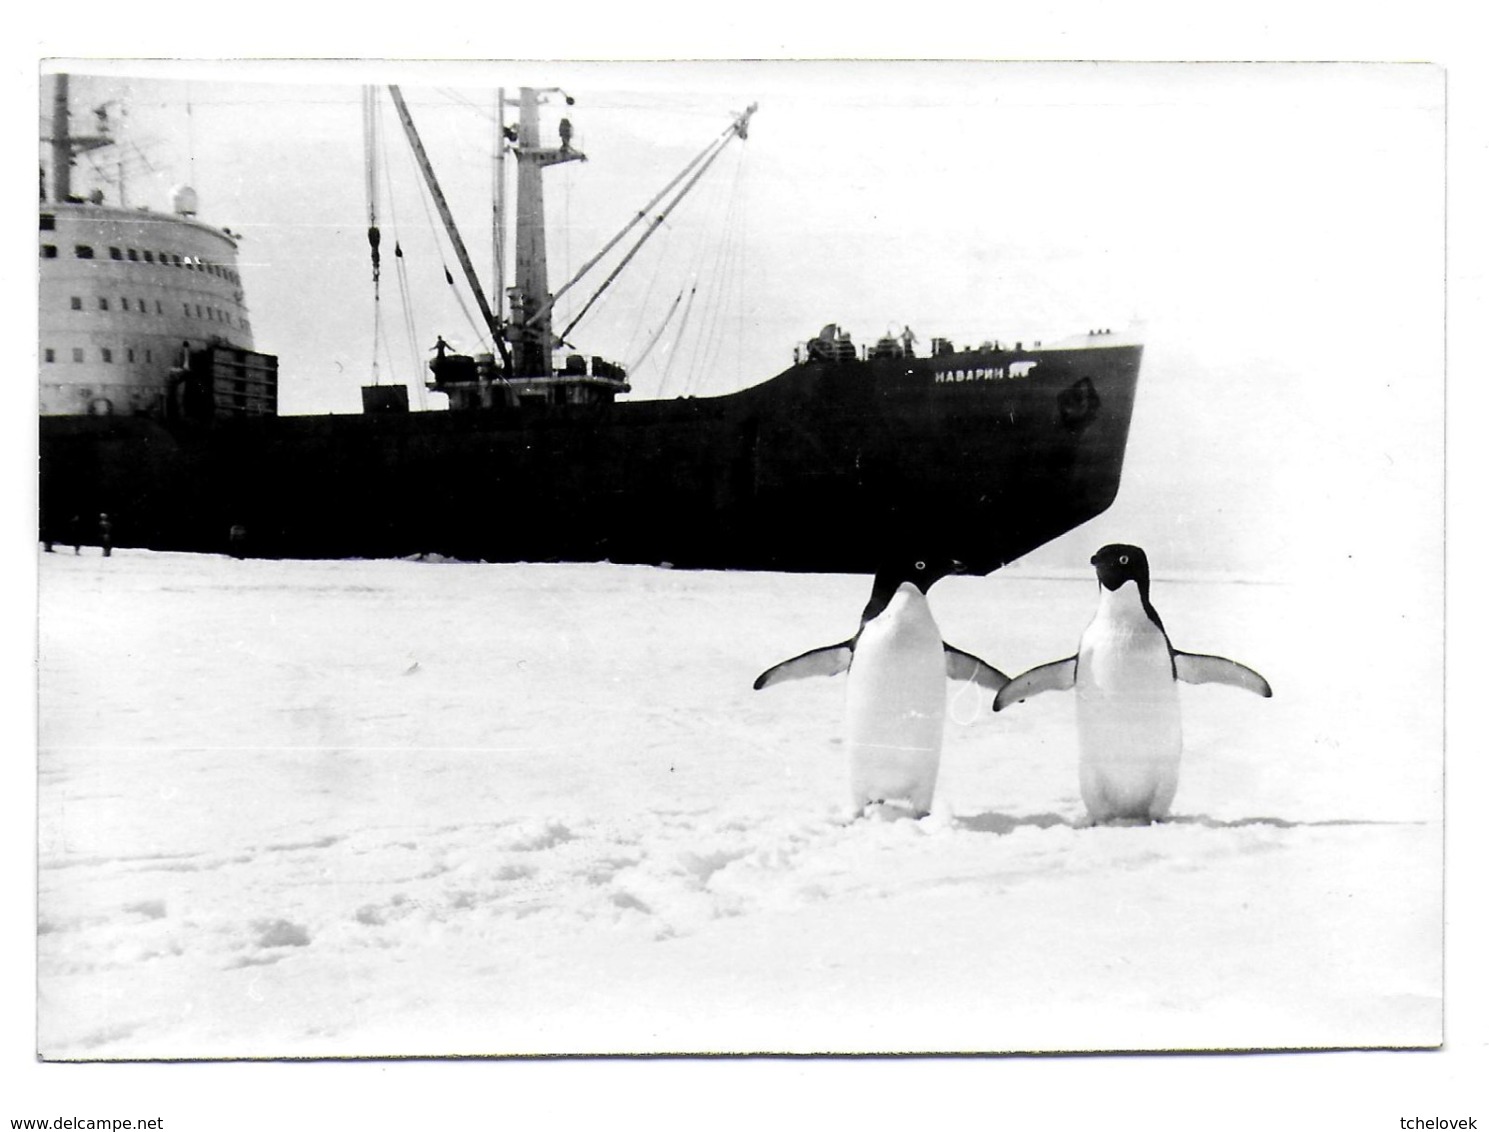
897, 704
1127, 712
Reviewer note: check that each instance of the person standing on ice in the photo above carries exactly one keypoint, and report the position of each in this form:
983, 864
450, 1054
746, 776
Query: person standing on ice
105, 535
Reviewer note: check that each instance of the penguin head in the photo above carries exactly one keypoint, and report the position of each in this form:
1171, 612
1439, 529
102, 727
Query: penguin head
1120, 563
921, 571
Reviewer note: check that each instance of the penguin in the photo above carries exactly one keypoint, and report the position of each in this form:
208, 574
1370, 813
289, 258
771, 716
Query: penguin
897, 667
1126, 693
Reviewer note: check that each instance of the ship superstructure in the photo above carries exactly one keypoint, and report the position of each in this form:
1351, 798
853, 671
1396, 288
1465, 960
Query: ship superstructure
135, 304
525, 373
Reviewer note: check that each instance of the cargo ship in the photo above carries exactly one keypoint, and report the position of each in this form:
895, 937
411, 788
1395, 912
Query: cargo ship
157, 410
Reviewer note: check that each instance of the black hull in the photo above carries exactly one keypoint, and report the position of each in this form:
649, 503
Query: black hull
826, 467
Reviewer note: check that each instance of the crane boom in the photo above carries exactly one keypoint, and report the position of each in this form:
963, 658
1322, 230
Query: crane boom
739, 129
733, 130
493, 322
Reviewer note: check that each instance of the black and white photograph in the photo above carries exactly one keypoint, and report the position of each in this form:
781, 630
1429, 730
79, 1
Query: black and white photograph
789, 558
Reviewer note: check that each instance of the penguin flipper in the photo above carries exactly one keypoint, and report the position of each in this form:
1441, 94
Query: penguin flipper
826, 661
1194, 668
1057, 676
972, 669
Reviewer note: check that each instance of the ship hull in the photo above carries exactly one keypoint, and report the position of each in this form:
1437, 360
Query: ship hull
826, 467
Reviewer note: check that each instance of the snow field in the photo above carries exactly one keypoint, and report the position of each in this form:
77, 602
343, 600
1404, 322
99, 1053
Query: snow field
340, 808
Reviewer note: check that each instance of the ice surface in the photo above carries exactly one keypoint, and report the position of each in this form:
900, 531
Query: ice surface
339, 808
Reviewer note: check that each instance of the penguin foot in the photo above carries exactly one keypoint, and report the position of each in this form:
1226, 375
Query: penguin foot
1124, 822
881, 809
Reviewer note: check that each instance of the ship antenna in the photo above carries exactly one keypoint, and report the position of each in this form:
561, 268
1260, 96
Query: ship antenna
190, 140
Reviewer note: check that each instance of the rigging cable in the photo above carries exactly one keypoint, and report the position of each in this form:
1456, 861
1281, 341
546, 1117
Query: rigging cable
651, 284
708, 342
704, 345
677, 338
730, 294
657, 335
732, 298
626, 259
737, 128
709, 152
374, 236
190, 140
696, 271
476, 329
703, 252
405, 292
430, 188
410, 325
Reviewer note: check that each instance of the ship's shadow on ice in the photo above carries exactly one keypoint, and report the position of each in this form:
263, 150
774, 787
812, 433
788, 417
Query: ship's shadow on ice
1003, 824
1006, 823
1208, 822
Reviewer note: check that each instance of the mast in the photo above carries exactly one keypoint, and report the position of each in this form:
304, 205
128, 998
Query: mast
499, 199
528, 365
530, 327
64, 145
61, 143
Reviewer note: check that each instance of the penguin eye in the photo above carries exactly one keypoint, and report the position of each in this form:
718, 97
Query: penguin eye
920, 565
1123, 560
